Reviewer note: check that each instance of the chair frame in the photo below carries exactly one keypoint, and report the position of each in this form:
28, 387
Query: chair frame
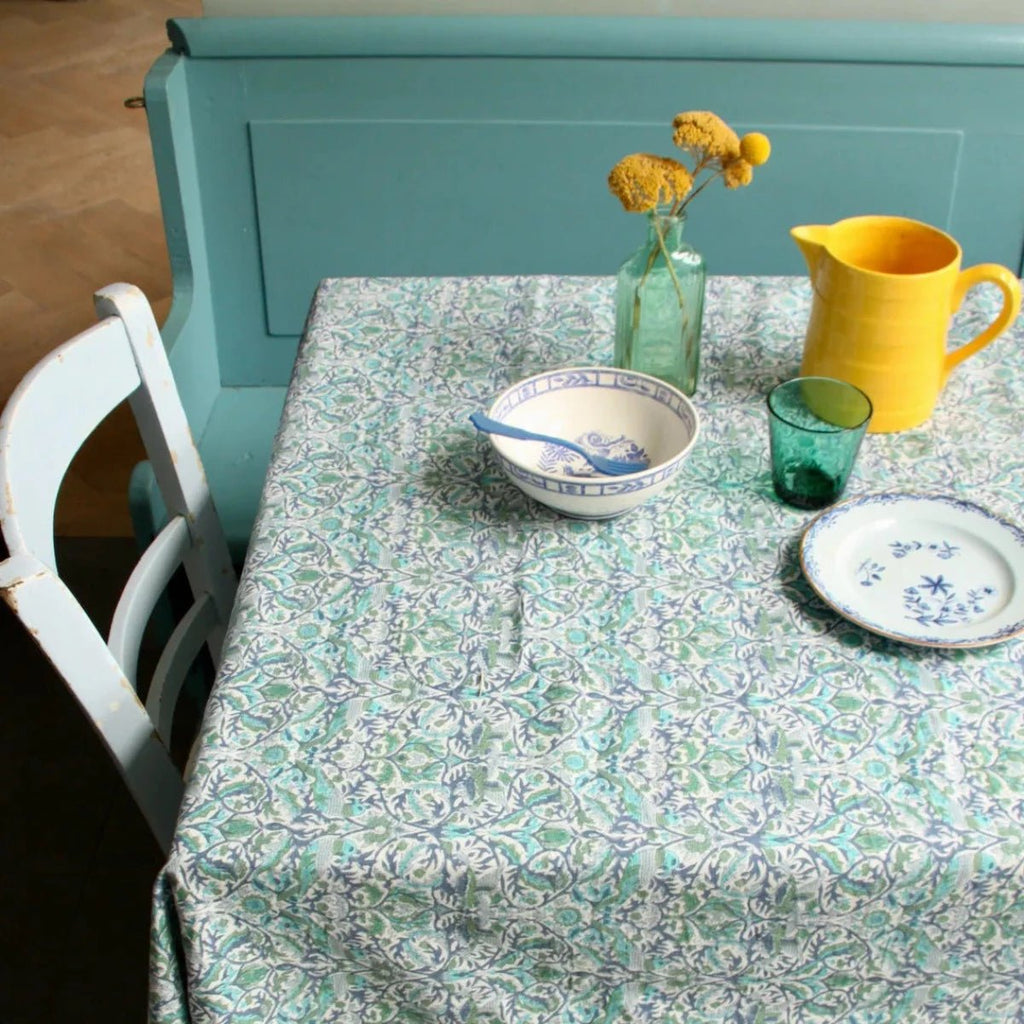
49, 416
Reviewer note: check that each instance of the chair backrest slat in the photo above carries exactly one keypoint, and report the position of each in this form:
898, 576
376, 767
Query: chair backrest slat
144, 588
49, 416
179, 653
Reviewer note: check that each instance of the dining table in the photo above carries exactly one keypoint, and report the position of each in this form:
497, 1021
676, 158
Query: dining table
470, 761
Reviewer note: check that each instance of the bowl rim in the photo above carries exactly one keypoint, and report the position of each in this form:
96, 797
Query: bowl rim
660, 470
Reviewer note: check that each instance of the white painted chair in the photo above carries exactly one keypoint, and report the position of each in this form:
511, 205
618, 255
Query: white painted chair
49, 416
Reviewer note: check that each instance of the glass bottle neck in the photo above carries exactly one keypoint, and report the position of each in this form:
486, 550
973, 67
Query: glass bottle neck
671, 228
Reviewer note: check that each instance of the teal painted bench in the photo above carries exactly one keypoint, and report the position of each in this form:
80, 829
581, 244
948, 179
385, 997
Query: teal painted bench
291, 149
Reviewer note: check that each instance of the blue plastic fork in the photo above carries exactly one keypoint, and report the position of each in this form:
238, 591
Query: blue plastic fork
609, 467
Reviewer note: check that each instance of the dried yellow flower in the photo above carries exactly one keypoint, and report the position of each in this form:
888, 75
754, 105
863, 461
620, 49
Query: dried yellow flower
705, 135
755, 148
737, 173
643, 180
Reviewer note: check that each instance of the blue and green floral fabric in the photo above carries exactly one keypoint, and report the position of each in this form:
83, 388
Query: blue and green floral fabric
469, 761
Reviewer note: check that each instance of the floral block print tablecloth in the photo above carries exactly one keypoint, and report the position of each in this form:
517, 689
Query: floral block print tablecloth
469, 761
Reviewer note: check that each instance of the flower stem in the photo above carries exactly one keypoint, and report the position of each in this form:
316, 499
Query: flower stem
652, 257
676, 211
668, 262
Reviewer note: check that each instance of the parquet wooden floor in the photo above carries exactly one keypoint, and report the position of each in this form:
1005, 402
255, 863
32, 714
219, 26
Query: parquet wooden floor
78, 204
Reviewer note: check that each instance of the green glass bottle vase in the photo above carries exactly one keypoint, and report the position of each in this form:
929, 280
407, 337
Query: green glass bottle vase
659, 305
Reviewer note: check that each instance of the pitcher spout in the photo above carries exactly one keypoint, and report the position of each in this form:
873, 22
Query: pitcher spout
811, 239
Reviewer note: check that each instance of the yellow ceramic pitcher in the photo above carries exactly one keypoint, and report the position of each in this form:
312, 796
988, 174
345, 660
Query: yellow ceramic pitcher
885, 290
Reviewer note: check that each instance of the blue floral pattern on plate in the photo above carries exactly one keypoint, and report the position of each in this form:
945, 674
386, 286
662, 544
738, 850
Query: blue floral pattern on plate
943, 549
933, 600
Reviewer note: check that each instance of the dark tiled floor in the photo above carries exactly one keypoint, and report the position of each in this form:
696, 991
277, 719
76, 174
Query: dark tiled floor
76, 859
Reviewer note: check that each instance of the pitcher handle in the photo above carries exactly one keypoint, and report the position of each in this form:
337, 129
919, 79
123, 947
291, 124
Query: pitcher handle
1008, 284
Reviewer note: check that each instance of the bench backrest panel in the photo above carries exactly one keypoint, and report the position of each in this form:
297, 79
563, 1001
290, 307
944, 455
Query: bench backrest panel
351, 146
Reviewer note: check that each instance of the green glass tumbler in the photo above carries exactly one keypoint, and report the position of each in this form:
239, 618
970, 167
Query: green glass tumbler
816, 425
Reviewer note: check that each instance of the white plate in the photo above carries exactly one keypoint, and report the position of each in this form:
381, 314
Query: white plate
933, 571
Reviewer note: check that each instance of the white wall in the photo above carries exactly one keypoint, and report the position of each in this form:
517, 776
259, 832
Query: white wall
868, 10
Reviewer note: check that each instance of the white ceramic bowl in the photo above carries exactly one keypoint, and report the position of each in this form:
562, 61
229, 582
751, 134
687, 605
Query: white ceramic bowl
610, 412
